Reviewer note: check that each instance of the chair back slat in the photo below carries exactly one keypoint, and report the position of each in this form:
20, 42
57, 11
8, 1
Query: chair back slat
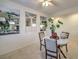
64, 35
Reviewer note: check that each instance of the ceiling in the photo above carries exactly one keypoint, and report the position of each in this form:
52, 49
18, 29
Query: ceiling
60, 5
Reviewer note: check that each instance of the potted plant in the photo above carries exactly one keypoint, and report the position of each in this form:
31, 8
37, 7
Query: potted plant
54, 26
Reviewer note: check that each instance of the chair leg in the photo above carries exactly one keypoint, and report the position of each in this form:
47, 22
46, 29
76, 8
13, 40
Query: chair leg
40, 46
62, 53
46, 55
66, 48
59, 56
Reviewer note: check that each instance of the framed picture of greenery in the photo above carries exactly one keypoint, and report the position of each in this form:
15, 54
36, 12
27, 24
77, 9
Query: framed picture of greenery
9, 22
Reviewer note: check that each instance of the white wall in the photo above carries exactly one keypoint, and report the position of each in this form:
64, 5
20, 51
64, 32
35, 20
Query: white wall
70, 23
12, 42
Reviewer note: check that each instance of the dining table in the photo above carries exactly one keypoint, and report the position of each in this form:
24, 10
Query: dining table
60, 42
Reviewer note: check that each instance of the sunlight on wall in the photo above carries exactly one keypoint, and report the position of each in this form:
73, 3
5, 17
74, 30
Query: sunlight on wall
69, 25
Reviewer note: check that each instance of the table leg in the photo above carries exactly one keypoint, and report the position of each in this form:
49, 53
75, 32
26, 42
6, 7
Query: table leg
62, 52
59, 56
66, 48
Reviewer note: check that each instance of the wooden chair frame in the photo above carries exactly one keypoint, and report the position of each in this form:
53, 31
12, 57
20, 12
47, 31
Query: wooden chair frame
67, 38
46, 50
41, 40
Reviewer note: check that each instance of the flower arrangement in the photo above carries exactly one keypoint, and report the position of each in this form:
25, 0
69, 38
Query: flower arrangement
54, 26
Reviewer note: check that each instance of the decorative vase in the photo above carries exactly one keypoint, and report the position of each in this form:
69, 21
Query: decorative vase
54, 35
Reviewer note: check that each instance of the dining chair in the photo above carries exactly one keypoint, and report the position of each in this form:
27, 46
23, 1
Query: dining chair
64, 36
41, 36
51, 49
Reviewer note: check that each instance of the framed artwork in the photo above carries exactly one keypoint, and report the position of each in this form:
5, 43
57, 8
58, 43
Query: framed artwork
43, 23
9, 22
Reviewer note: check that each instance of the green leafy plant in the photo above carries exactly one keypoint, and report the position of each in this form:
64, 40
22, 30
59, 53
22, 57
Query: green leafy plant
44, 23
54, 26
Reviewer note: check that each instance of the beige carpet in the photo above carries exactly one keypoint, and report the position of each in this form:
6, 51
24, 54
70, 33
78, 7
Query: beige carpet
32, 51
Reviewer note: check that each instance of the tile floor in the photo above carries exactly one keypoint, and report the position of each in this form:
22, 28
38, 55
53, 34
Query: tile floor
32, 52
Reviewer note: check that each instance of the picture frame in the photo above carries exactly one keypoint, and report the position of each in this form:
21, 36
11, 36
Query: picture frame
9, 21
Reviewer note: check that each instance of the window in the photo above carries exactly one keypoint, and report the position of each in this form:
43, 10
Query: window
43, 23
30, 19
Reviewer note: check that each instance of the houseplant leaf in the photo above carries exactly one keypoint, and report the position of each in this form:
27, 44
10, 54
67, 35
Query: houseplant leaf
50, 20
52, 28
57, 25
60, 22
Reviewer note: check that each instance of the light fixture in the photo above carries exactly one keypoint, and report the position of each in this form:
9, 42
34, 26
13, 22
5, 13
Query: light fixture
34, 25
53, 18
45, 3
41, 26
11, 22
